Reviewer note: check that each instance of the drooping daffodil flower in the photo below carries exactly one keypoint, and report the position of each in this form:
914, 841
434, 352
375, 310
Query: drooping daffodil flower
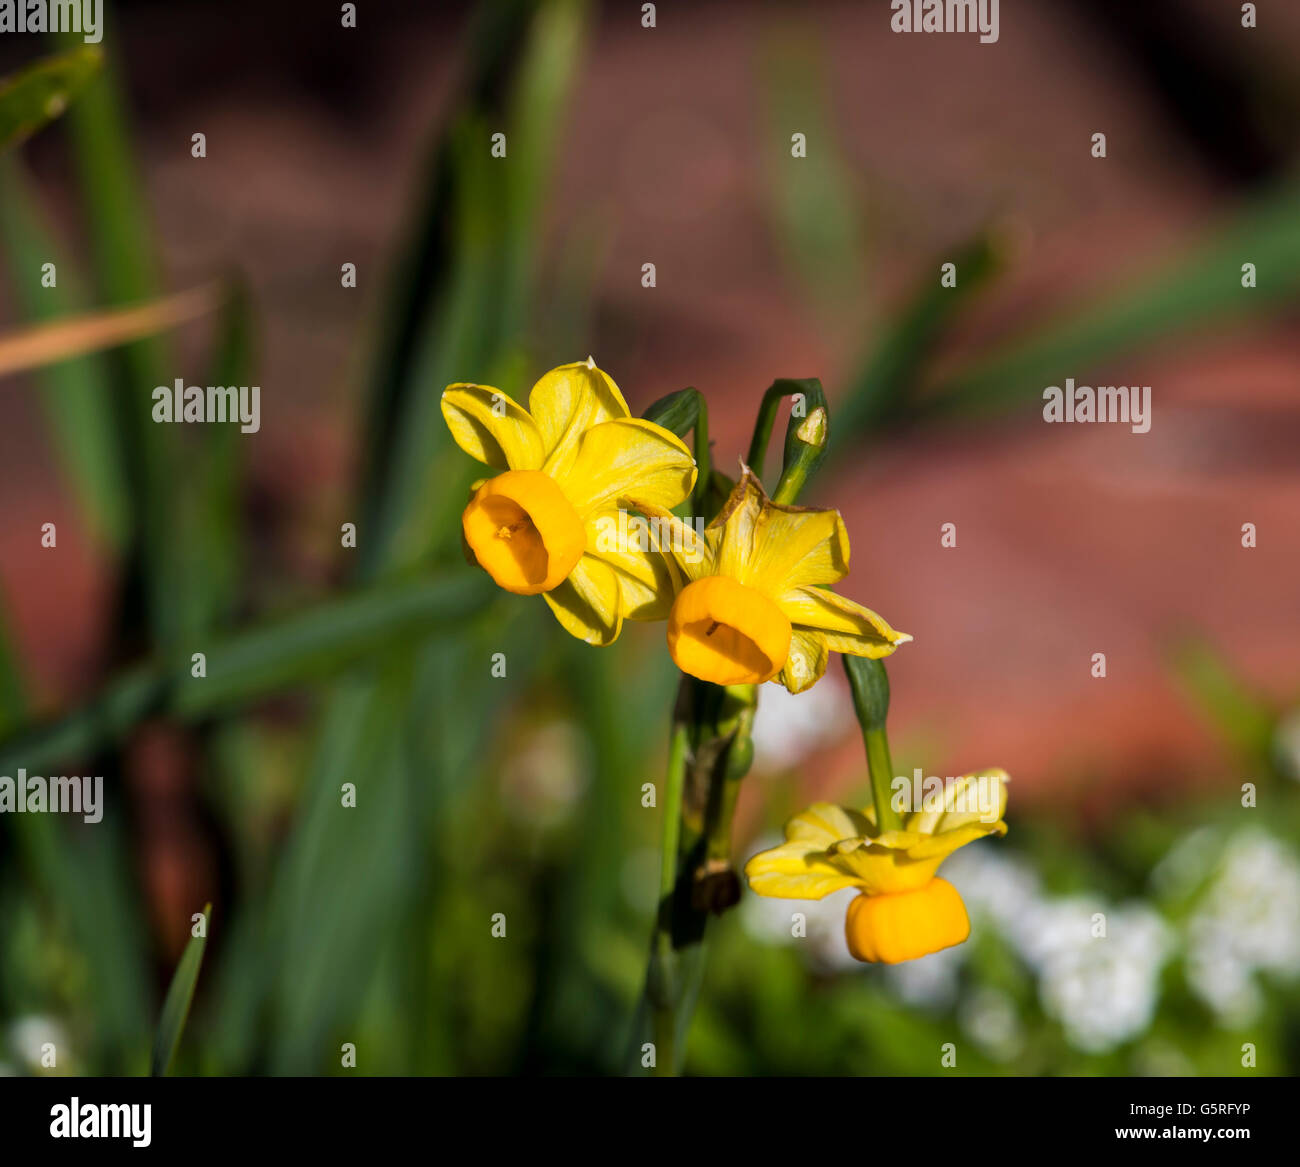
754, 605
569, 462
904, 910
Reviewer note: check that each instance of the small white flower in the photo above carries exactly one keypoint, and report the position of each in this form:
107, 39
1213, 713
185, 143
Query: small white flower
1248, 922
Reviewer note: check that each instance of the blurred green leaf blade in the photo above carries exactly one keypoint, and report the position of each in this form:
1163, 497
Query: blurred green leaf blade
180, 995
41, 92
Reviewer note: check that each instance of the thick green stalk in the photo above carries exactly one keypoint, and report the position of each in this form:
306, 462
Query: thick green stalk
662, 988
869, 684
882, 770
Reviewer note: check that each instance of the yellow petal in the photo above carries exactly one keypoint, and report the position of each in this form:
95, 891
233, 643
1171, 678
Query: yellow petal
824, 824
795, 871
942, 845
885, 870
647, 580
806, 662
977, 797
628, 459
587, 604
798, 547
691, 552
738, 524
846, 626
489, 426
777, 548
566, 403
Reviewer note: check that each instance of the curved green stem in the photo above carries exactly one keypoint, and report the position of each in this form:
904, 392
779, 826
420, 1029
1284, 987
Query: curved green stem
661, 989
882, 773
869, 684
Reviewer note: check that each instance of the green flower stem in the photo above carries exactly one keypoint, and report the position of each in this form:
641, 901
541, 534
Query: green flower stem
662, 982
703, 459
805, 437
869, 684
709, 754
882, 770
763, 429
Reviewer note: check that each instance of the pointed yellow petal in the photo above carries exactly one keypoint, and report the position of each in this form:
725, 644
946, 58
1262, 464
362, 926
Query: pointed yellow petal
795, 871
628, 459
692, 552
980, 796
738, 523
777, 548
491, 427
806, 662
647, 579
846, 626
587, 604
885, 870
824, 824
566, 403
942, 845
796, 547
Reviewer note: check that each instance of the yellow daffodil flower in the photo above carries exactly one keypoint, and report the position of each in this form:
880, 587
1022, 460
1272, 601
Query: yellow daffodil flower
569, 462
904, 910
754, 605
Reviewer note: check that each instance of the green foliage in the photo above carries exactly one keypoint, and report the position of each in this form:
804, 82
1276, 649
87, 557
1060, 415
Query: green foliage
176, 1006
479, 795
41, 93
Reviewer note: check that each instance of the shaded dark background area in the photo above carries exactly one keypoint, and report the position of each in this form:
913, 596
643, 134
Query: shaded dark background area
673, 149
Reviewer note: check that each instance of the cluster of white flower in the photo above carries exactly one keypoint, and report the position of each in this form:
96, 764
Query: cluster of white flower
32, 1040
1098, 965
1246, 924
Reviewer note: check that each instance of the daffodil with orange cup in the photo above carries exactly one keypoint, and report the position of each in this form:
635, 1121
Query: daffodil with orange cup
569, 462
754, 604
904, 910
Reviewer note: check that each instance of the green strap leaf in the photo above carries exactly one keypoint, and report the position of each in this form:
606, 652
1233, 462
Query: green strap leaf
680, 413
176, 1008
39, 94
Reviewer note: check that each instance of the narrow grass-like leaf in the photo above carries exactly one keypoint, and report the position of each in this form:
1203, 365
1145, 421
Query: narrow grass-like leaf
422, 284
75, 394
126, 273
1243, 718
888, 378
59, 340
295, 652
815, 211
210, 495
1202, 291
180, 994
480, 328
41, 93
13, 703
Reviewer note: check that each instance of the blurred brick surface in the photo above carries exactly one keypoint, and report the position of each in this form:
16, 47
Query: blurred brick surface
1072, 539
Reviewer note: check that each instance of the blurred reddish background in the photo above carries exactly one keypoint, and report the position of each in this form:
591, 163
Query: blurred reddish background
1071, 540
